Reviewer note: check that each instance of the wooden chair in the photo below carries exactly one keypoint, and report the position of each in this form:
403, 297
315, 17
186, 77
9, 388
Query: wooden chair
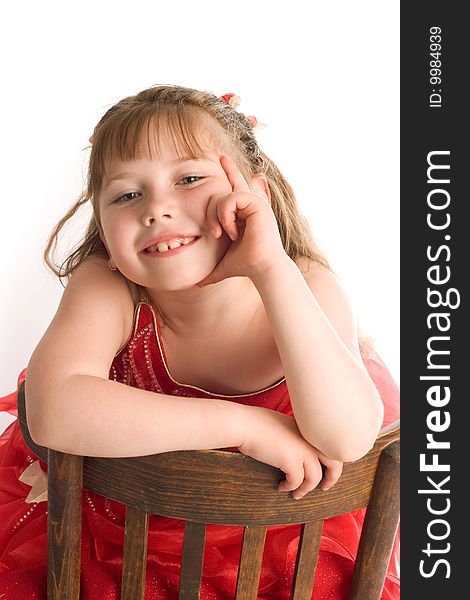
222, 487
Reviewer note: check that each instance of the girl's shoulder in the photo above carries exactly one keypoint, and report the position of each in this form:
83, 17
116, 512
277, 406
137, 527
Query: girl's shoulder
93, 320
105, 292
318, 276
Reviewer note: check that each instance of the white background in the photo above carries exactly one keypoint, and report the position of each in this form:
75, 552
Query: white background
323, 76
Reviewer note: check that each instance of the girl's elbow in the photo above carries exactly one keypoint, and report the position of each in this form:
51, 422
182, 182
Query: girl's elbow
353, 453
349, 450
40, 431
41, 427
358, 443
350, 453
47, 437
37, 433
363, 443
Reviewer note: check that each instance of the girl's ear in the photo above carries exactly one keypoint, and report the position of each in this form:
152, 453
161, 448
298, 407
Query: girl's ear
259, 185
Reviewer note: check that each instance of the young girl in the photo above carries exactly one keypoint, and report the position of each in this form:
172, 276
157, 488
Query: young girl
198, 314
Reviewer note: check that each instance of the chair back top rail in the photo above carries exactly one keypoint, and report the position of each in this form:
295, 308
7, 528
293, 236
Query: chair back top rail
220, 486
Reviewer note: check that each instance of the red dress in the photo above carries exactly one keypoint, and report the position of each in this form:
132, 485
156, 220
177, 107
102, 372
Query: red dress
23, 509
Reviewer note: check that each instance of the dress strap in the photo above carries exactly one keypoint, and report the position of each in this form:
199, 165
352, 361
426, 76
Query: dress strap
143, 296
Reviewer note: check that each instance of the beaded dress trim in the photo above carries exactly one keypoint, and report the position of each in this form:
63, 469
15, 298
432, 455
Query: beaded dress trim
145, 332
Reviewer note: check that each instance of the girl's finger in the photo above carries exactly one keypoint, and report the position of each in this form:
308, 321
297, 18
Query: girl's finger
293, 479
236, 179
312, 477
227, 216
332, 474
213, 223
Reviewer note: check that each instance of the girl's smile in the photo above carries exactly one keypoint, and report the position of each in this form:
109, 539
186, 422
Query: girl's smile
168, 245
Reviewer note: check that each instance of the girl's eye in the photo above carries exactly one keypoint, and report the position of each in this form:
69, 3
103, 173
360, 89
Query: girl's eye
189, 179
128, 197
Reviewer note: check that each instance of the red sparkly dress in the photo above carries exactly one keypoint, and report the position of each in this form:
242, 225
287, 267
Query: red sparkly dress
23, 507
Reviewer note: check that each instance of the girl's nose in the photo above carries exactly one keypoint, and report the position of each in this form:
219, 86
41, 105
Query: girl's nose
150, 217
159, 207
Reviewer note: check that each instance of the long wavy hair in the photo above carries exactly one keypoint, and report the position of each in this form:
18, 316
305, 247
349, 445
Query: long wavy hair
182, 114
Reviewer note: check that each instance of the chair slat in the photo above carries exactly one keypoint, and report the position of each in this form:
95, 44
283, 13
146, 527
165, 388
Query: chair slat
306, 563
380, 526
64, 525
191, 561
250, 563
135, 554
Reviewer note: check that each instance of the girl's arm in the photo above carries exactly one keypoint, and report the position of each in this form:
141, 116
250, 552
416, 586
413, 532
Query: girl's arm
73, 407
336, 405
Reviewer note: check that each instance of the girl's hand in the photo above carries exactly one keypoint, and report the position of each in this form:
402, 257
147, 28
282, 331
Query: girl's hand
274, 438
247, 218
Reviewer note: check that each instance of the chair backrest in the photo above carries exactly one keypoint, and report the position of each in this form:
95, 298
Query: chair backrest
223, 487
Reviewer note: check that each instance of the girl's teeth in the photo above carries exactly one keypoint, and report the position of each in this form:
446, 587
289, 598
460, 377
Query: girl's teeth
163, 247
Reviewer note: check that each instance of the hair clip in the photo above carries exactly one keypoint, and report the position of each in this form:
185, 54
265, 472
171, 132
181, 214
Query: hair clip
234, 101
255, 124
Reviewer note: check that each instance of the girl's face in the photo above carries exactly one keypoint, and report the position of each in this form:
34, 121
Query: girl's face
153, 216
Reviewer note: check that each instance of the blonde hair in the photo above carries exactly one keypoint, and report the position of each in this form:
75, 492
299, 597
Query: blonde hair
180, 113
